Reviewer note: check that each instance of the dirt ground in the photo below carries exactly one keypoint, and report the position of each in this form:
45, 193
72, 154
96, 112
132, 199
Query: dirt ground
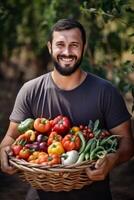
12, 188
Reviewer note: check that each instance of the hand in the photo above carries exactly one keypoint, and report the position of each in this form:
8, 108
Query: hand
5, 166
102, 167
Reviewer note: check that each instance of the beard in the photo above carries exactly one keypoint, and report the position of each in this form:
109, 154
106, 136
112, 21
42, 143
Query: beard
67, 70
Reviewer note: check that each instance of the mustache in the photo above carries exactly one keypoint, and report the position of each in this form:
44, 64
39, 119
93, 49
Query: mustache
64, 56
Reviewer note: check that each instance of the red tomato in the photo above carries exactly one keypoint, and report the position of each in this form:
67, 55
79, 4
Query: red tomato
54, 159
24, 153
71, 142
16, 149
54, 137
42, 125
61, 124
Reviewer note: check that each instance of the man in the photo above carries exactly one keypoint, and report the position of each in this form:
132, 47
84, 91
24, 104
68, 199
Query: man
79, 95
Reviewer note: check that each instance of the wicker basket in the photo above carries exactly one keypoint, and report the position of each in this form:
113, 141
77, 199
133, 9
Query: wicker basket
56, 178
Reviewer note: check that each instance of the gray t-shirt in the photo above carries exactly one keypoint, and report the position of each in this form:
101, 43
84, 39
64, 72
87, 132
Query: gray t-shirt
95, 98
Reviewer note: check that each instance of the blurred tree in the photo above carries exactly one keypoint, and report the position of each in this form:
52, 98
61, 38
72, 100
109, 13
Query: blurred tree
109, 26
29, 22
110, 33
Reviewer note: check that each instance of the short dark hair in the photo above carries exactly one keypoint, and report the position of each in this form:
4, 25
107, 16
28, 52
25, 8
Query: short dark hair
67, 24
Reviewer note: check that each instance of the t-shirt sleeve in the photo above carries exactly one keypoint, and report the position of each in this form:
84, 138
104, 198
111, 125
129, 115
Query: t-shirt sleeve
114, 107
22, 108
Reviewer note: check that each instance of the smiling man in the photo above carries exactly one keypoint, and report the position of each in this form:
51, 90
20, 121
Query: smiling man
66, 49
81, 96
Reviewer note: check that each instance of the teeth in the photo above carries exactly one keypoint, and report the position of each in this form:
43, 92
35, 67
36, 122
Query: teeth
67, 59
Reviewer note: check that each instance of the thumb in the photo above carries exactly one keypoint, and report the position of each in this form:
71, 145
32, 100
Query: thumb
100, 162
8, 150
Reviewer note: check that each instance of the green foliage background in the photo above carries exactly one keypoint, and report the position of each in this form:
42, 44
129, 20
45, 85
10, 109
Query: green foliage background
109, 26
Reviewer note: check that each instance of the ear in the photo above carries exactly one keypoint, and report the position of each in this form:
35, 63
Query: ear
49, 47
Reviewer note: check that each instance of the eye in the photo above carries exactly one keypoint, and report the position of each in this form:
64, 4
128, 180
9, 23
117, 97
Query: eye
60, 45
75, 45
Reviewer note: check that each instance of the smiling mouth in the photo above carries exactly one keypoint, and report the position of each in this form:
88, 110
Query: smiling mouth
66, 59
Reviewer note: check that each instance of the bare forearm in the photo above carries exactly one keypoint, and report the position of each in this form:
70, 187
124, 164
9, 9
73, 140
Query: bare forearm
125, 151
126, 143
7, 141
10, 136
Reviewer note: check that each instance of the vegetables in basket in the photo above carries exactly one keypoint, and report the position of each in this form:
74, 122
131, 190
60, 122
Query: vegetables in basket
99, 145
25, 125
61, 124
42, 125
56, 136
71, 142
69, 157
56, 147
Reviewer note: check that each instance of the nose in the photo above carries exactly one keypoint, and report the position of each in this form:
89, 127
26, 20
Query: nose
66, 50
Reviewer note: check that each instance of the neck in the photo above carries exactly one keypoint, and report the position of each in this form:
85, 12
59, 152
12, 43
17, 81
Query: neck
69, 82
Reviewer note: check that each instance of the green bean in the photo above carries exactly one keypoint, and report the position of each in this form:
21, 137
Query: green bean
87, 156
101, 154
81, 158
93, 145
83, 142
88, 145
105, 140
94, 152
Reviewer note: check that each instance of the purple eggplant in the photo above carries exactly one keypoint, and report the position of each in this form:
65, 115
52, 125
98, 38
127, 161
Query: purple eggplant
41, 138
43, 146
35, 147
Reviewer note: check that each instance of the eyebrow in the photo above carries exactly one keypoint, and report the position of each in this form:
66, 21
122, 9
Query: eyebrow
73, 42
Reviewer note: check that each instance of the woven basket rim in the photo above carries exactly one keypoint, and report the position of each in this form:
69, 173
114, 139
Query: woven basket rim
26, 166
53, 178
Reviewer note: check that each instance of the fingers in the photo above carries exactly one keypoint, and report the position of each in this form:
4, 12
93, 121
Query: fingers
9, 151
99, 171
5, 166
102, 167
95, 175
100, 162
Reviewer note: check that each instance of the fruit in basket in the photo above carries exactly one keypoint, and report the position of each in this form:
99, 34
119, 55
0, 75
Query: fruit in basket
87, 132
74, 130
32, 146
26, 125
56, 148
52, 159
42, 158
42, 125
61, 124
43, 146
16, 149
37, 157
24, 153
71, 142
41, 138
21, 139
37, 146
30, 135
83, 141
57, 137
69, 157
54, 137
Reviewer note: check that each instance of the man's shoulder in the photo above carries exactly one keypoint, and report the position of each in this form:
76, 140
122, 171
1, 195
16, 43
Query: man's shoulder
97, 80
36, 82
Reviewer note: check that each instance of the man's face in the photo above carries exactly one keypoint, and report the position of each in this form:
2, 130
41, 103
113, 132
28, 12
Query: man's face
66, 50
